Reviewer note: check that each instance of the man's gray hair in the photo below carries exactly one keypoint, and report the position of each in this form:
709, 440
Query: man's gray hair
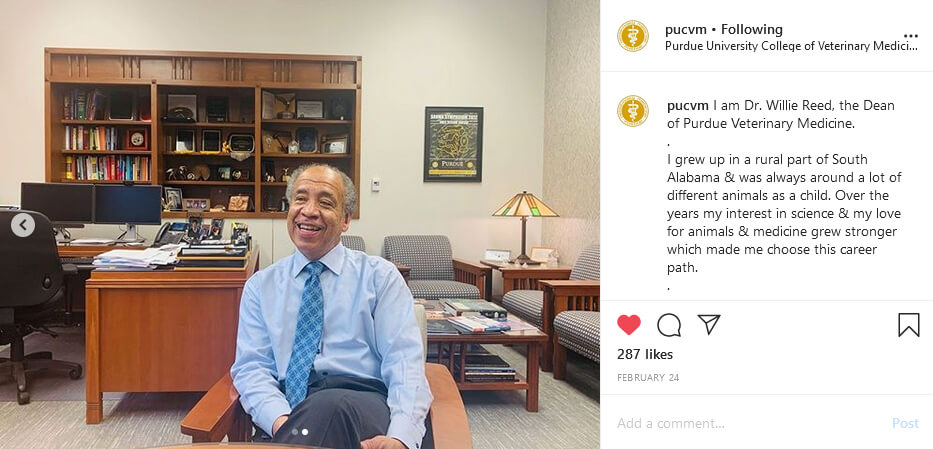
349, 195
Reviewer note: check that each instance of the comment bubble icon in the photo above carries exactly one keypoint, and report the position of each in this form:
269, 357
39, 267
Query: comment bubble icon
669, 325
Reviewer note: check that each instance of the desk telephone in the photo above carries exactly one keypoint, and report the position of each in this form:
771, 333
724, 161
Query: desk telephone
171, 233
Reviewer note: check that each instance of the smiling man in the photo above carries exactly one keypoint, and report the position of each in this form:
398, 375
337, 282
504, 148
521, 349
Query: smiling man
328, 350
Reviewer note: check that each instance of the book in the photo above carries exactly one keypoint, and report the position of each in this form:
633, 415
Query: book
475, 307
80, 103
440, 327
477, 324
68, 110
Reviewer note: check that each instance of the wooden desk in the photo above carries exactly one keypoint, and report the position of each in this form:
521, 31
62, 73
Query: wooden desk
515, 277
154, 331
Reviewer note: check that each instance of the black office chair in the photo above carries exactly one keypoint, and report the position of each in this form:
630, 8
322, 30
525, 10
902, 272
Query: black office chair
31, 286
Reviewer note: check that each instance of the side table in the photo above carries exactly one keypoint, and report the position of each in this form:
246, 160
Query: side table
516, 277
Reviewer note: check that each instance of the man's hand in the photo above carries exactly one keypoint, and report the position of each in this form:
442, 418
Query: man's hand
278, 423
381, 442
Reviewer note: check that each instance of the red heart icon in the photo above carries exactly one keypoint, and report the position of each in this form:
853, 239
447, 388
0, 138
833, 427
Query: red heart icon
629, 323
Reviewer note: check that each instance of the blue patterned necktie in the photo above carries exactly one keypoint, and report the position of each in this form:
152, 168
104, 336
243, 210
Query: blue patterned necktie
308, 333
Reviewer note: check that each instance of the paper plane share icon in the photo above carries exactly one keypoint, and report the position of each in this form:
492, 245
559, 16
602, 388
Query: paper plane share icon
710, 322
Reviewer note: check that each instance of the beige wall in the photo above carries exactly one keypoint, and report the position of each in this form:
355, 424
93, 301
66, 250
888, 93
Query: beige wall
415, 53
571, 126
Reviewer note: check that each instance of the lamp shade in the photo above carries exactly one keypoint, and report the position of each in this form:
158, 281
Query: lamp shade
524, 205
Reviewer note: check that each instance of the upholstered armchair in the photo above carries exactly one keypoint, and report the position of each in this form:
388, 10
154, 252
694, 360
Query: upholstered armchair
219, 414
353, 242
435, 274
539, 307
577, 331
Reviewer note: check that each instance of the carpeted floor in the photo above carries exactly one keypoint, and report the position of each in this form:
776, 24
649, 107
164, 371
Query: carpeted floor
568, 415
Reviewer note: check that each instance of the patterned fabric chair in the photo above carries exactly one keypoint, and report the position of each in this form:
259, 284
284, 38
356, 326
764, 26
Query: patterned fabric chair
528, 304
578, 331
353, 242
580, 292
434, 272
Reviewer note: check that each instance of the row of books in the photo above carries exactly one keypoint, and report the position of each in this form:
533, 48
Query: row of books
94, 137
84, 104
486, 368
107, 168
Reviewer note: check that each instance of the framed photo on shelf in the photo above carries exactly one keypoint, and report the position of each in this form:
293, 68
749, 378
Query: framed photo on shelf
540, 253
184, 140
194, 227
310, 109
307, 139
453, 144
336, 144
211, 140
121, 105
217, 108
196, 204
217, 229
224, 173
173, 198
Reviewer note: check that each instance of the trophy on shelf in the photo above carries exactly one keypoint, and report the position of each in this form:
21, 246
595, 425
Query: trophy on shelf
285, 100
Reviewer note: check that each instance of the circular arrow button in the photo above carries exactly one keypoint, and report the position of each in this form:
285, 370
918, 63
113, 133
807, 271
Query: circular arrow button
23, 225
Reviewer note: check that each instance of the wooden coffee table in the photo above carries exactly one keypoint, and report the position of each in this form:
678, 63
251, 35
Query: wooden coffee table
457, 346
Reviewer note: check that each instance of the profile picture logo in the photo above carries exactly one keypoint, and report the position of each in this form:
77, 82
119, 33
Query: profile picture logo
633, 110
632, 35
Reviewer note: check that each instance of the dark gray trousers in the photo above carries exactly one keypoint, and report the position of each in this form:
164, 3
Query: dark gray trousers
338, 413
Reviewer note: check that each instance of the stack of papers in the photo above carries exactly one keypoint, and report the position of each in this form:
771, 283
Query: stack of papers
136, 258
92, 241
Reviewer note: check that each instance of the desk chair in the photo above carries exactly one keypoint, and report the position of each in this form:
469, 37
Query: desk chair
31, 286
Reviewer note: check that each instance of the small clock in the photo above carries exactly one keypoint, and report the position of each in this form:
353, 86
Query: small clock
137, 139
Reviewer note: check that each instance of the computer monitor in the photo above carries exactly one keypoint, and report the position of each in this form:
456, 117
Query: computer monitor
130, 205
66, 205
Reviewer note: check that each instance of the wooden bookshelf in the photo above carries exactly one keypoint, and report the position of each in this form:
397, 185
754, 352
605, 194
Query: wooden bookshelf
131, 91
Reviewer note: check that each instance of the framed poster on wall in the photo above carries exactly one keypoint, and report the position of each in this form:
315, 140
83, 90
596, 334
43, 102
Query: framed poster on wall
453, 144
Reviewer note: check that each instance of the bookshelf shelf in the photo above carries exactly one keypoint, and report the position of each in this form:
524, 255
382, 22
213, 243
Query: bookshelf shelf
206, 183
306, 156
107, 122
85, 86
197, 154
208, 125
225, 214
306, 122
105, 152
89, 181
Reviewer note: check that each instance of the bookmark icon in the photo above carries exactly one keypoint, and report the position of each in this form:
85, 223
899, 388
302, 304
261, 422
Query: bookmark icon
710, 321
